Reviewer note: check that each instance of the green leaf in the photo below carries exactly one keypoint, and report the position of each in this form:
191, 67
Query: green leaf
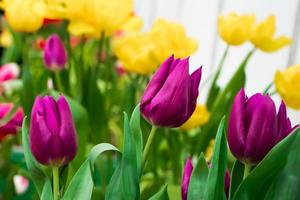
124, 183
198, 179
47, 191
81, 186
138, 137
276, 177
37, 175
215, 181
237, 175
161, 195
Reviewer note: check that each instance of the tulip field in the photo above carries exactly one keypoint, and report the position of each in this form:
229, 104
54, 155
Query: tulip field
95, 106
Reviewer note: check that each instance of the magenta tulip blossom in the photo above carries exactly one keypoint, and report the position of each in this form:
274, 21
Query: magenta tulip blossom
171, 95
52, 132
255, 128
55, 55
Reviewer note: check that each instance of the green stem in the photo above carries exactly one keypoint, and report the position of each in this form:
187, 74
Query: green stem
272, 93
266, 90
55, 183
247, 170
217, 74
58, 81
148, 144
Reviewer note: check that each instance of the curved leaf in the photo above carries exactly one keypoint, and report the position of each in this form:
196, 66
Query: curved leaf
161, 195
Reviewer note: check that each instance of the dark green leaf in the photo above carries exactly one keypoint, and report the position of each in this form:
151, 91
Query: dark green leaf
198, 179
35, 170
215, 182
276, 177
161, 195
47, 191
237, 175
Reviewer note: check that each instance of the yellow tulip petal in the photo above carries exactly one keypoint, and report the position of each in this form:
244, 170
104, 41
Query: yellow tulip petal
235, 29
263, 36
198, 118
287, 84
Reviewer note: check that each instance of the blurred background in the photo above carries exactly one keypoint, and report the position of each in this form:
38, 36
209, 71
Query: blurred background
199, 17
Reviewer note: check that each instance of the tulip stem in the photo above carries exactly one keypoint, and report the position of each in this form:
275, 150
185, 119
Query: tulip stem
148, 144
247, 170
55, 183
58, 82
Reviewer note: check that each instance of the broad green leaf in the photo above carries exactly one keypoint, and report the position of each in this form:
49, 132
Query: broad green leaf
138, 136
37, 175
47, 191
237, 175
215, 181
124, 183
81, 186
161, 195
276, 177
198, 179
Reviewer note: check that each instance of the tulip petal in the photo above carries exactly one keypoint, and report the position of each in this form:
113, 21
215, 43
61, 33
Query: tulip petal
261, 127
187, 172
170, 105
51, 114
67, 130
284, 123
40, 137
236, 130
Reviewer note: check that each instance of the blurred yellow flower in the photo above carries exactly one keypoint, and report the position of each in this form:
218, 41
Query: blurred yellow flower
133, 23
170, 38
235, 29
199, 117
209, 151
263, 36
6, 38
135, 52
287, 84
143, 52
21, 17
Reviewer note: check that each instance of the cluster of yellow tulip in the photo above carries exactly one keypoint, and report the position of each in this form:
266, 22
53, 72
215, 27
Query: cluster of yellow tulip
143, 52
235, 30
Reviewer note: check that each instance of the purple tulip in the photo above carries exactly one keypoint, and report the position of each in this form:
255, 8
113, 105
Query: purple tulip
55, 55
52, 133
171, 95
187, 172
254, 128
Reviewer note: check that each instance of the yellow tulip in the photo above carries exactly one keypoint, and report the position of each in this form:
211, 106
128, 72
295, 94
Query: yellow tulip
170, 38
21, 17
287, 84
133, 23
235, 29
135, 52
6, 39
263, 36
199, 117
142, 53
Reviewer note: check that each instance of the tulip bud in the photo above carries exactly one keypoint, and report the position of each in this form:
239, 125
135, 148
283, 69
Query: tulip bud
52, 133
11, 127
254, 128
187, 172
171, 95
55, 55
